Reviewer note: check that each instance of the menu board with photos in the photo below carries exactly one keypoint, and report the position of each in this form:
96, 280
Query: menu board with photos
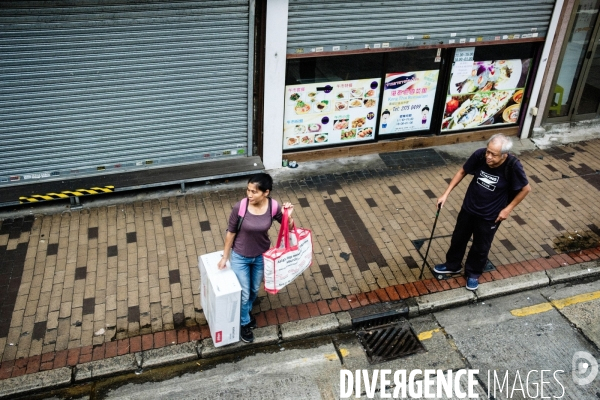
408, 99
483, 93
338, 112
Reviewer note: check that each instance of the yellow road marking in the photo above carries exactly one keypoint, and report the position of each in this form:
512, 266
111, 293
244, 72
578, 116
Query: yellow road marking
559, 304
334, 356
427, 334
580, 298
525, 311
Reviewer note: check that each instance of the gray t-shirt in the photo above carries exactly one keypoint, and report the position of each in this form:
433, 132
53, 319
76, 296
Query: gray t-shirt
253, 238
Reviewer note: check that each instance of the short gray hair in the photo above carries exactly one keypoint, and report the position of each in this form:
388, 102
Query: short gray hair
505, 141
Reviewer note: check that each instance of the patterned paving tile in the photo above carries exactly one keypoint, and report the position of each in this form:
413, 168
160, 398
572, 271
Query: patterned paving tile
131, 237
364, 224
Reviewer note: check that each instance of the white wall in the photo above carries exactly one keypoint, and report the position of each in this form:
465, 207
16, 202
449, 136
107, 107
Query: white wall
274, 90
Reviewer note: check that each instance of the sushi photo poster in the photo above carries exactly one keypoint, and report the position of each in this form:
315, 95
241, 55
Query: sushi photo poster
408, 99
326, 113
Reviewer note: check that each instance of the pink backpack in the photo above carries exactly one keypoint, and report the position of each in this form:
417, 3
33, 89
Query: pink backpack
244, 207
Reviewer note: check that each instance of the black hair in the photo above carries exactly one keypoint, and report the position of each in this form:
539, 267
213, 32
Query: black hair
425, 108
263, 181
385, 112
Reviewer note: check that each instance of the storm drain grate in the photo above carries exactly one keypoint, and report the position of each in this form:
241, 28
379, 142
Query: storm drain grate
377, 321
389, 342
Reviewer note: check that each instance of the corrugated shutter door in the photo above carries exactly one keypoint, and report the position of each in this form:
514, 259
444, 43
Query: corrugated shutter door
345, 25
87, 85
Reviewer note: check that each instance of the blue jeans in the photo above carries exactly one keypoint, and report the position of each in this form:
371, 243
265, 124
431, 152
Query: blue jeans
250, 272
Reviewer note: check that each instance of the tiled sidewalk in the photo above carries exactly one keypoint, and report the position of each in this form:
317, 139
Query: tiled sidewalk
101, 282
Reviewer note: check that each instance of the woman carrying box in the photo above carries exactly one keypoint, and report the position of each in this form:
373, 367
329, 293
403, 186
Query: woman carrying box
247, 239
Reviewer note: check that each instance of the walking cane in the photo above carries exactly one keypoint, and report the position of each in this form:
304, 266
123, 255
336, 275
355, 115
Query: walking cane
437, 214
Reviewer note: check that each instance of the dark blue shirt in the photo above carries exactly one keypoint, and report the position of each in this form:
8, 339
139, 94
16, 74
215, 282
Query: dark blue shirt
488, 192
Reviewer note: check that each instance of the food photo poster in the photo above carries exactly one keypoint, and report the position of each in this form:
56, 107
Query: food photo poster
320, 114
483, 93
407, 103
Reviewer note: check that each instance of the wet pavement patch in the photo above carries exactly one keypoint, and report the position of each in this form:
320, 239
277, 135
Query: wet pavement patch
582, 170
575, 241
559, 153
412, 159
593, 180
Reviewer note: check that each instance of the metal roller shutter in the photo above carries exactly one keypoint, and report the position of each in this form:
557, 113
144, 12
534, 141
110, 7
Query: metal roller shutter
346, 25
113, 85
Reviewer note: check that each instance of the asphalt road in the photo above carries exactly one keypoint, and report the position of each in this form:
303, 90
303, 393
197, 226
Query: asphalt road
536, 344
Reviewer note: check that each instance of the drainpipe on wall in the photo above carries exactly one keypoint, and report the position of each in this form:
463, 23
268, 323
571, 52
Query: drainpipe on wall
541, 75
274, 90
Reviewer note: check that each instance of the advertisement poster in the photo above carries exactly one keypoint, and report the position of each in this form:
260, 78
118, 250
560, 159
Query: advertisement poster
320, 114
483, 93
407, 101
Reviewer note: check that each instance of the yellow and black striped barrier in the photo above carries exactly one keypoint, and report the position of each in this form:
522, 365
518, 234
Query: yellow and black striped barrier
65, 194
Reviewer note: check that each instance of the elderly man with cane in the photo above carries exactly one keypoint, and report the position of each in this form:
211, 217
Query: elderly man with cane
498, 186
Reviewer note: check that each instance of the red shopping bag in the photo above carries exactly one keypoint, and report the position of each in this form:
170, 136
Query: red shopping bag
291, 256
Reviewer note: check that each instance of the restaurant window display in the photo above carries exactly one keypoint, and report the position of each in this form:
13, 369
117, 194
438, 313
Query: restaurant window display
409, 90
486, 86
352, 99
331, 100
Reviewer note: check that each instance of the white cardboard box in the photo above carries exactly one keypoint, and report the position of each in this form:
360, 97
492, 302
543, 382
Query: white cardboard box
220, 296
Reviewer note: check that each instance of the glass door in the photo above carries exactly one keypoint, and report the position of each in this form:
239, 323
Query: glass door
589, 101
577, 59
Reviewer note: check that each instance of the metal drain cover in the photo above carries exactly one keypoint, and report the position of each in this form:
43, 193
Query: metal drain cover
389, 342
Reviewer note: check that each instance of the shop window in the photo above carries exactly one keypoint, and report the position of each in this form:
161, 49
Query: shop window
338, 100
331, 100
486, 86
409, 92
